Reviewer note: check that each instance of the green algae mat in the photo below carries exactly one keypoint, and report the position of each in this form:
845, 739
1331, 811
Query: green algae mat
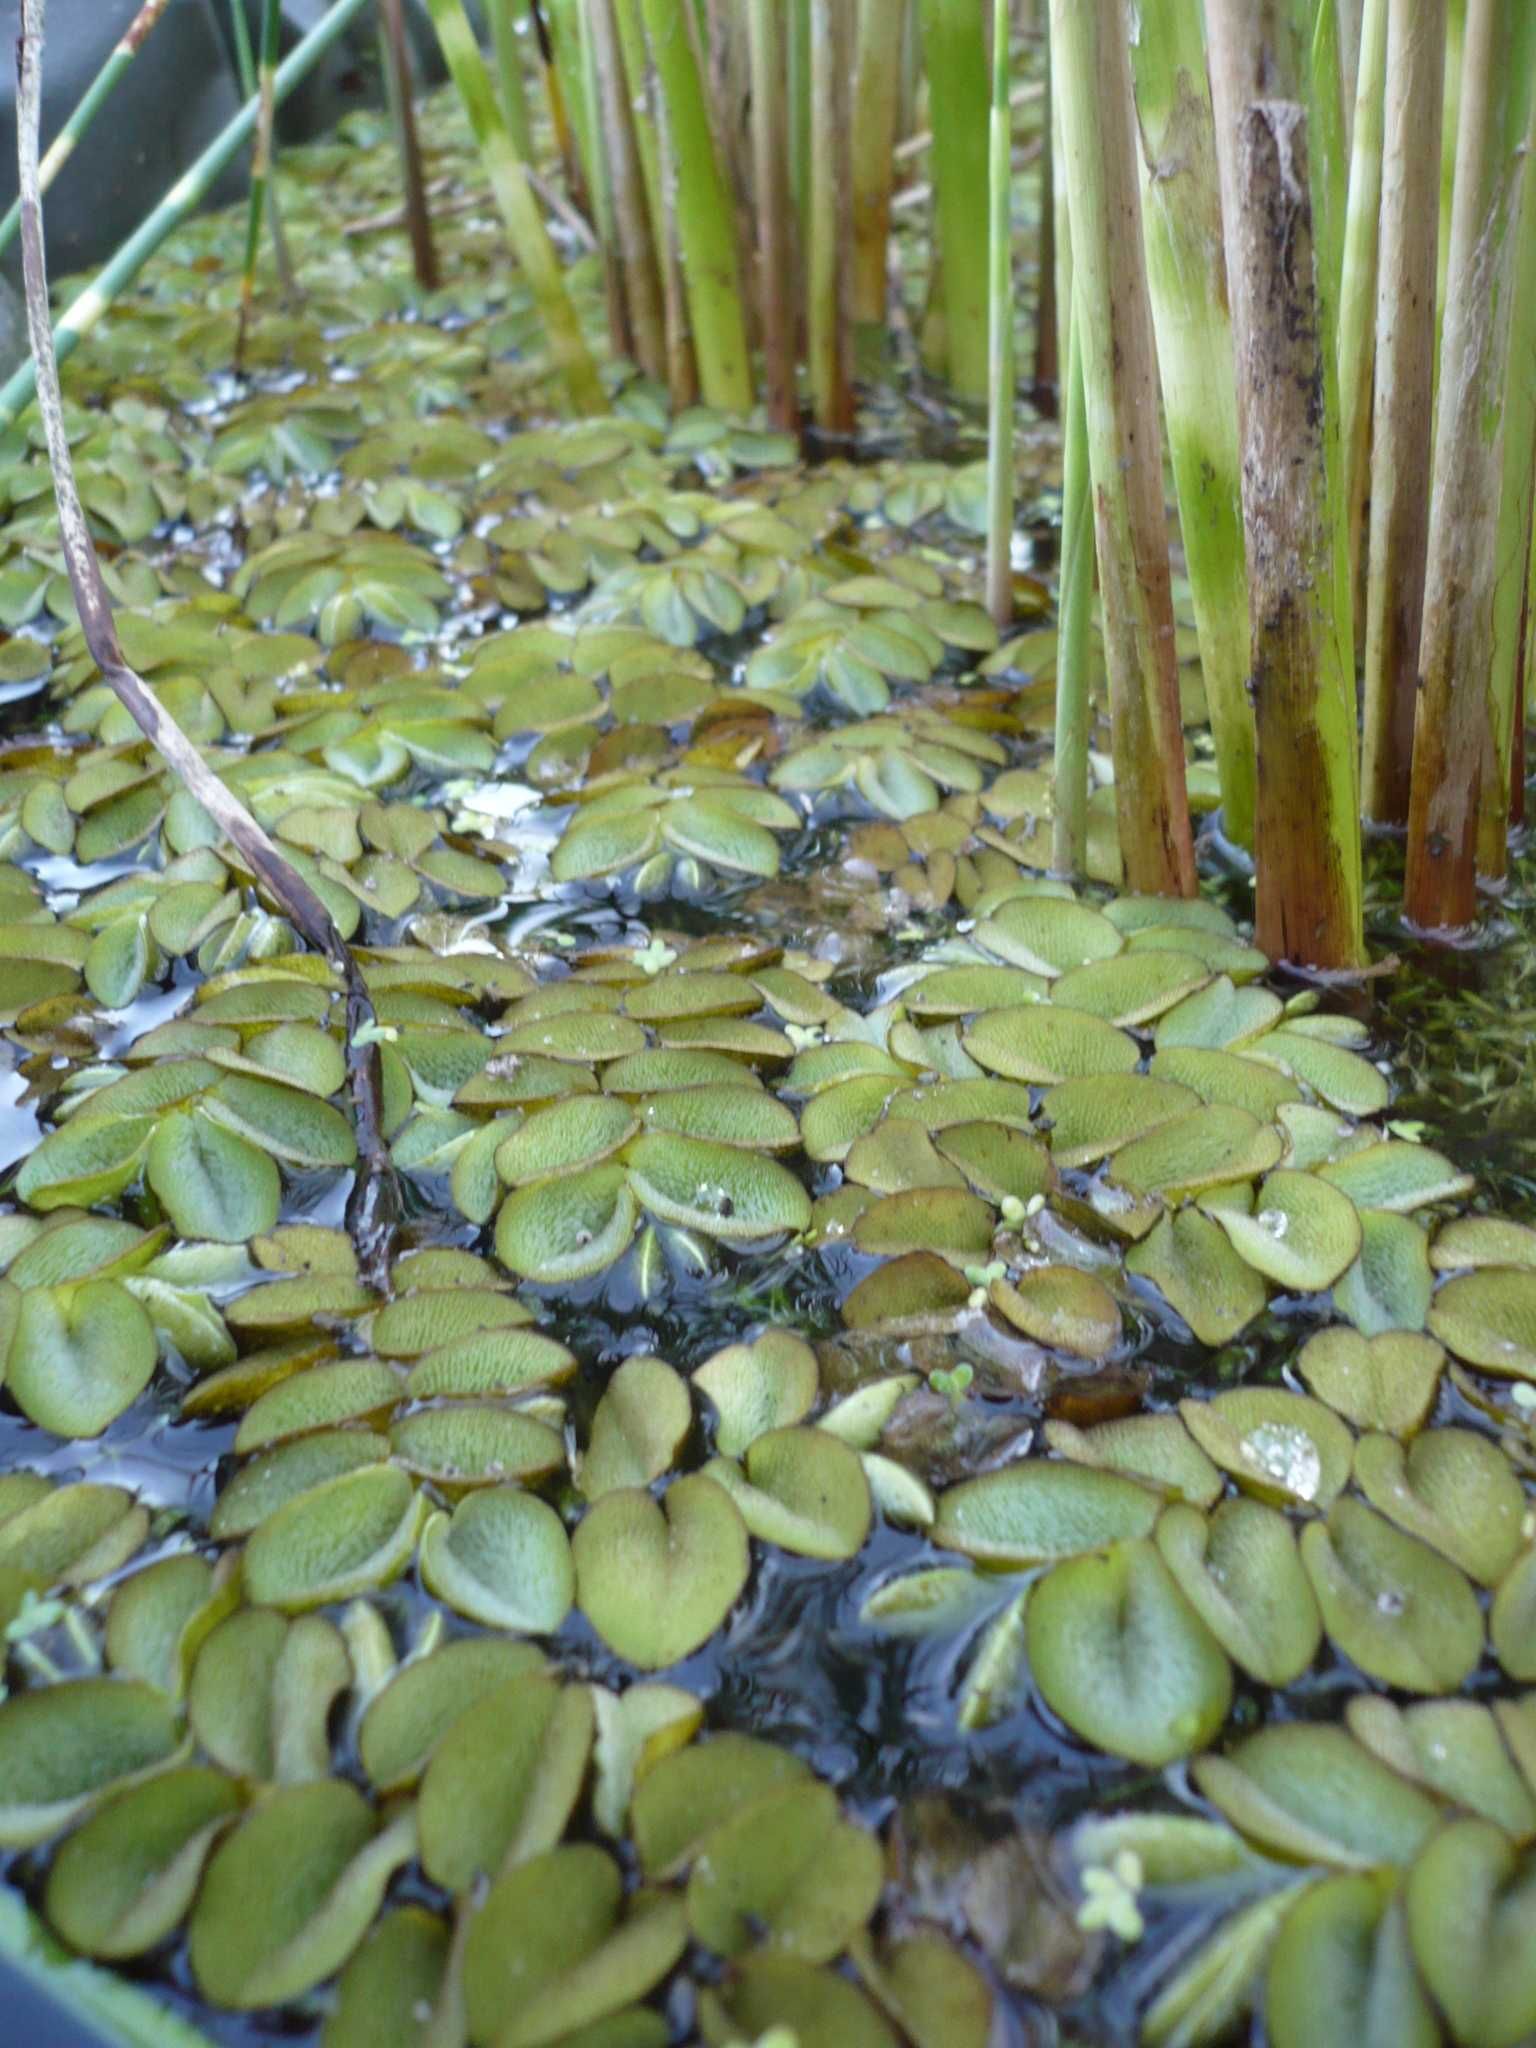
936, 1466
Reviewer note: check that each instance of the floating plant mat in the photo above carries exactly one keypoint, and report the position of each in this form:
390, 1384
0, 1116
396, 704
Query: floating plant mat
937, 1446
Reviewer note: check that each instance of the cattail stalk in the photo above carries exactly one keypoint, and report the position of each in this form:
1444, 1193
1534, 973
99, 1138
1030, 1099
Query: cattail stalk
397, 77
954, 52
1187, 275
1404, 401
876, 96
1000, 384
184, 196
1307, 818
775, 239
519, 209
1452, 732
705, 221
1113, 319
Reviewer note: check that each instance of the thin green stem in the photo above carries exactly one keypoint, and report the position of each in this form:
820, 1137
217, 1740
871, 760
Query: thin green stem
827, 347
1357, 295
509, 28
1000, 384
1069, 825
261, 166
775, 269
519, 209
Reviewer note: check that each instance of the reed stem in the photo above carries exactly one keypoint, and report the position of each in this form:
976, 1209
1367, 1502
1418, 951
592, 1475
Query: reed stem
1000, 387
1113, 319
1357, 294
1452, 736
775, 243
261, 166
954, 53
827, 339
701, 206
508, 19
402, 106
876, 97
1074, 611
1405, 375
1187, 276
518, 208
640, 272
1307, 816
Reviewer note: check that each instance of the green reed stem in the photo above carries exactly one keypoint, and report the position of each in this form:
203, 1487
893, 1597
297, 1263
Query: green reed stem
954, 52
876, 95
775, 240
261, 166
1357, 293
1187, 276
509, 29
1000, 374
704, 214
519, 209
1074, 612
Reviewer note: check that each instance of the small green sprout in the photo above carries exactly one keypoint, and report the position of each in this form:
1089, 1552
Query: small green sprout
1110, 1897
952, 1384
654, 955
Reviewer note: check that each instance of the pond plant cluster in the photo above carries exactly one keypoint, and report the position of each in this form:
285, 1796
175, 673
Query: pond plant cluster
931, 1467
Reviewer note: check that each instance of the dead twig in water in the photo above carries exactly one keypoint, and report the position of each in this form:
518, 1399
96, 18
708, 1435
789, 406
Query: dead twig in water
468, 202
373, 1206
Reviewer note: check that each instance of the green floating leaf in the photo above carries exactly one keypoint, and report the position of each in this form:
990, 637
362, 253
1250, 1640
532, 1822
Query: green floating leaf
258, 1489
1241, 1573
1043, 1042
211, 1182
503, 1779
1095, 1116
395, 1976
1385, 1382
1342, 1969
953, 1223
802, 1489
1037, 1511
65, 1745
122, 1883
1122, 1657
501, 1361
1388, 1286
771, 1383
501, 1559
290, 1894
569, 1229
1452, 1747
1312, 1794
1397, 1177
350, 1390
1400, 1611
1061, 1307
1280, 1445
790, 1874
88, 1160
1482, 1241
1209, 1147
1512, 1620
1454, 1490
681, 1801
1471, 1899
1302, 1234
1191, 1262
1132, 989
638, 1428
70, 1535
717, 1189
657, 1579
348, 1536
407, 1719
261, 1695
1212, 1993
1156, 1449
551, 1953
814, 2007
566, 1138
1488, 1318
1049, 934
939, 1997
